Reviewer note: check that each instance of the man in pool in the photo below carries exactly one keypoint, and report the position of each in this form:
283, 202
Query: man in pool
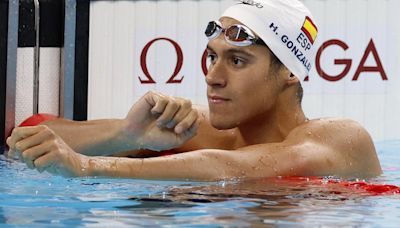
254, 126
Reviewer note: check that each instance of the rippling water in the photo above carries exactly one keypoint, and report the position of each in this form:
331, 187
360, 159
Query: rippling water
28, 198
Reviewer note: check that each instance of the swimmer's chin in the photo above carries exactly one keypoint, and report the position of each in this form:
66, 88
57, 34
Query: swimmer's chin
222, 125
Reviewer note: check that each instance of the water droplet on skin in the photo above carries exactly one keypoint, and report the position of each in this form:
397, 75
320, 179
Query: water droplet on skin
309, 133
276, 171
114, 165
228, 163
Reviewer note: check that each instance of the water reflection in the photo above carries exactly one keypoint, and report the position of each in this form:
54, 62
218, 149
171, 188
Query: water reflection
258, 202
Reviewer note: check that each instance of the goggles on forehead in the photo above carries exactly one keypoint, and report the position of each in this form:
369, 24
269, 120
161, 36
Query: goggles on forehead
238, 35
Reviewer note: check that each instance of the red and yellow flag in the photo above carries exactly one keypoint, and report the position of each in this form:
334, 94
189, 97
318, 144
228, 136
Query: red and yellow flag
310, 29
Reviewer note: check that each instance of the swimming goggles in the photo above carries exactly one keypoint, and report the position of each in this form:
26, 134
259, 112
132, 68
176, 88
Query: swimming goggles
238, 35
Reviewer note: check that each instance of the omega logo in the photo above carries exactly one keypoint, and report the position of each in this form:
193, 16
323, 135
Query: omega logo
347, 63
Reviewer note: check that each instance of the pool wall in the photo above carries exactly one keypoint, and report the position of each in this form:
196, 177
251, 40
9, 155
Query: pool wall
3, 65
17, 77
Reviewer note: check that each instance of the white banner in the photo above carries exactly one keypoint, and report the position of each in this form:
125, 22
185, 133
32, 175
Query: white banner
136, 46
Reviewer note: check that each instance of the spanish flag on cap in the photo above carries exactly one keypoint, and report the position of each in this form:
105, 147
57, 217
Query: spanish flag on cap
310, 29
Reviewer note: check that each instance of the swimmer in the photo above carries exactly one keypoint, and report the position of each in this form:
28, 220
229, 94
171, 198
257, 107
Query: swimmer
254, 126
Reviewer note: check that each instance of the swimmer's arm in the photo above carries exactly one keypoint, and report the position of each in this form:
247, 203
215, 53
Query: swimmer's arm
95, 137
206, 165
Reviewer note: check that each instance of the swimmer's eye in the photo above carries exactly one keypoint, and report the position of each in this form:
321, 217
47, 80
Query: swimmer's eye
238, 62
211, 58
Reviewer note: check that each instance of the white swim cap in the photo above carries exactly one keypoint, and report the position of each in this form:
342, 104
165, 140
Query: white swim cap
286, 26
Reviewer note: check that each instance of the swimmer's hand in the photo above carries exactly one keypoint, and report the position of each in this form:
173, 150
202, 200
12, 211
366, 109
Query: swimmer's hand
160, 122
40, 148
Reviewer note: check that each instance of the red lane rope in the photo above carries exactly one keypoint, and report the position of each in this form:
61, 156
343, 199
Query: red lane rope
370, 188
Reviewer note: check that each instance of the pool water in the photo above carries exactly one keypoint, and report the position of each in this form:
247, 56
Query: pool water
28, 198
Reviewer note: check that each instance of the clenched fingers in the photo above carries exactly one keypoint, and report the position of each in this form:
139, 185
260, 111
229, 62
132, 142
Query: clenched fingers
185, 108
190, 120
190, 132
35, 139
20, 133
14, 154
167, 116
45, 162
29, 156
160, 102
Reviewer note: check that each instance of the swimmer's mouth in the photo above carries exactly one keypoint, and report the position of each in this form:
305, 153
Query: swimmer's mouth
217, 99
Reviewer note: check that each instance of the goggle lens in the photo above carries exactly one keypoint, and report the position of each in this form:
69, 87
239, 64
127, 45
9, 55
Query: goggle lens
211, 27
238, 35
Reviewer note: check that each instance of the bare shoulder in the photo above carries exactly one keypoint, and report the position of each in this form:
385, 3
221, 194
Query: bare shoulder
328, 126
343, 141
337, 131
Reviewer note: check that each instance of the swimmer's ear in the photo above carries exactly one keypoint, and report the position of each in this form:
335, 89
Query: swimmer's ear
292, 79
289, 77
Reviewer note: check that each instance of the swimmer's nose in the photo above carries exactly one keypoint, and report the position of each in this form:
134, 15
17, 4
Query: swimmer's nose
217, 75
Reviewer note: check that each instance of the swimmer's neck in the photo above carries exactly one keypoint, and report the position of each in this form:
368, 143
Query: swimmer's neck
273, 126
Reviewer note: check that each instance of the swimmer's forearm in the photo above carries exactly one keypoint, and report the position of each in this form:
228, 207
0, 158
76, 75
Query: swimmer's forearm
203, 165
95, 138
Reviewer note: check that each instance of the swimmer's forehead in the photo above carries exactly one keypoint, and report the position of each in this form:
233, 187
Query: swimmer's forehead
227, 21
